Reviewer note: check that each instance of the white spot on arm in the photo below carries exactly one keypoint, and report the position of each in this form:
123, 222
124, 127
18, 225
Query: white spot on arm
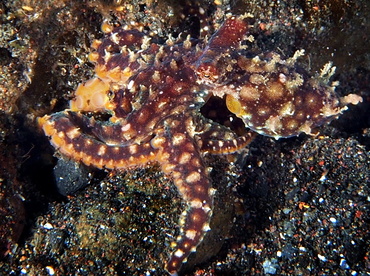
193, 177
130, 85
125, 127
102, 150
73, 133
179, 253
178, 139
191, 234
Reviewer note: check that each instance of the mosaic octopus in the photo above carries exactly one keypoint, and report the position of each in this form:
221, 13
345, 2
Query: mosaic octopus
151, 95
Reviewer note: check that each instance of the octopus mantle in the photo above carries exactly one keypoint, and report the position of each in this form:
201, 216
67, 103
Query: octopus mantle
152, 95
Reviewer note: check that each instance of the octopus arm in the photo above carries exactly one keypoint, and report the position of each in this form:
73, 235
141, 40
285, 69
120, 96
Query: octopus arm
277, 98
106, 132
116, 57
222, 146
117, 40
180, 157
215, 138
73, 142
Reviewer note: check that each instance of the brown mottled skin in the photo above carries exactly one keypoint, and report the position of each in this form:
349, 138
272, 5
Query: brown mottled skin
153, 94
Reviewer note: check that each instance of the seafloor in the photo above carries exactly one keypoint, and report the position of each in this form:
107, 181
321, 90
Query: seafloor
297, 206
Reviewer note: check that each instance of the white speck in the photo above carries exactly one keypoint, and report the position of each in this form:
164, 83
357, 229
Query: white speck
303, 249
21, 197
257, 251
50, 270
270, 266
48, 226
286, 211
343, 264
333, 220
278, 253
321, 257
24, 271
321, 200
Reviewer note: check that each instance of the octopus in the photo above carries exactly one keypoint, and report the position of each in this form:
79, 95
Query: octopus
143, 107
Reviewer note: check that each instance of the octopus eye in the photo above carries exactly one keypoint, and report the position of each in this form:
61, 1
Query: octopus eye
207, 72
